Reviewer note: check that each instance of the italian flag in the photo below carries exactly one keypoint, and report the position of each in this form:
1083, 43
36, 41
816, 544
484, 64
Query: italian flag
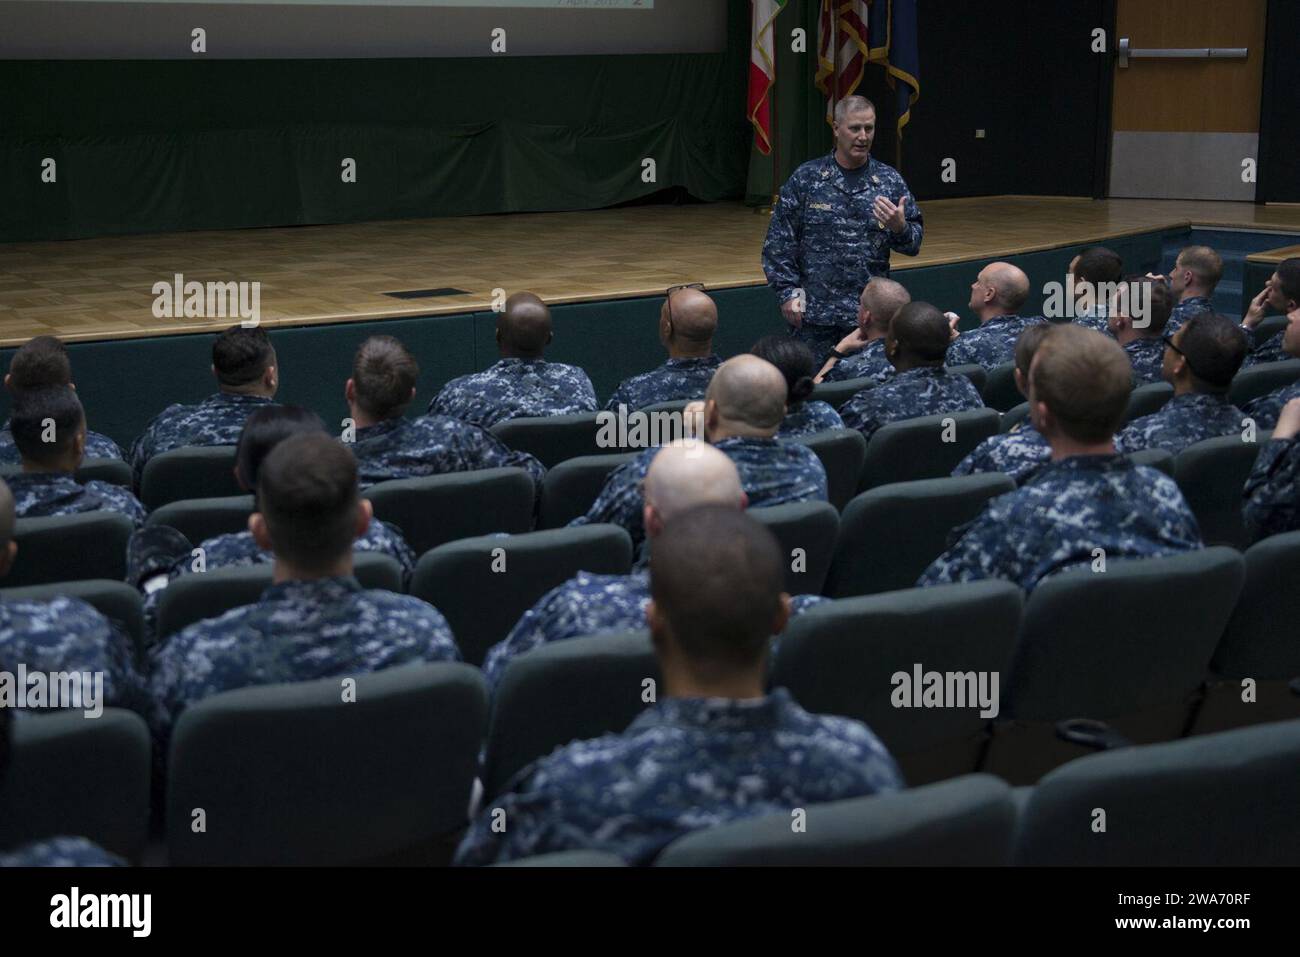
762, 70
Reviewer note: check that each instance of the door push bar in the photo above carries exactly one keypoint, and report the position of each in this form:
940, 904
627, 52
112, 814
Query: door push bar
1187, 53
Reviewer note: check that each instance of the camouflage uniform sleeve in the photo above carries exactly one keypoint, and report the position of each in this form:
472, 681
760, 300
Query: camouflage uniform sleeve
621, 395
485, 451
1272, 493
61, 852
533, 824
980, 552
858, 414
972, 463
586, 395
123, 501
908, 242
781, 247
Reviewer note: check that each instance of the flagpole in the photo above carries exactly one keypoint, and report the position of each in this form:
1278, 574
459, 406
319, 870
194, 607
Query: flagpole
773, 111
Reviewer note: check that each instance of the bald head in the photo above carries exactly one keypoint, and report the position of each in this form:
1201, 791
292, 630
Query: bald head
524, 329
746, 397
1008, 284
880, 301
685, 475
687, 322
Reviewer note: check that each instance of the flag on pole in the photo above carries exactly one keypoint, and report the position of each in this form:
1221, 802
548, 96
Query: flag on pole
842, 49
894, 42
762, 70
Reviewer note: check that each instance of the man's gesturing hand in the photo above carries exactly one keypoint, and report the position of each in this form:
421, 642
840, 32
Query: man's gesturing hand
891, 217
792, 310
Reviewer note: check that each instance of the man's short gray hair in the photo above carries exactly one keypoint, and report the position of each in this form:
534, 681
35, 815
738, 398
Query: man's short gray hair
852, 104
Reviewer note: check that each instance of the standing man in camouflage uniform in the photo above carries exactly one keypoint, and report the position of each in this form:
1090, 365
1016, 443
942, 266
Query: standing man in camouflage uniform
836, 221
683, 476
1144, 345
42, 363
1021, 452
47, 484
688, 321
315, 621
248, 375
861, 354
917, 343
63, 634
716, 747
996, 296
390, 446
521, 384
1281, 294
1272, 503
743, 411
1200, 361
1089, 497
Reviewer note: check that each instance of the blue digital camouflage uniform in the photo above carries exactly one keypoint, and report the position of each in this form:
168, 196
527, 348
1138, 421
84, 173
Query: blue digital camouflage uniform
772, 472
824, 238
586, 604
60, 852
910, 395
432, 445
1056, 520
869, 362
67, 634
1147, 357
1096, 319
809, 417
97, 447
992, 344
1182, 421
1272, 496
1020, 453
513, 389
1184, 310
238, 550
298, 631
1270, 350
43, 494
1265, 409
217, 420
683, 764
675, 379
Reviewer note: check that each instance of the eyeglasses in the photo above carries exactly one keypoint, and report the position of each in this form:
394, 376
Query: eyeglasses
1168, 339
668, 295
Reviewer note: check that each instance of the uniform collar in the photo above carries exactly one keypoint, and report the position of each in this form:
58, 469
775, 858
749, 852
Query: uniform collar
717, 714
1197, 400
514, 362
745, 442
695, 362
833, 172
234, 398
318, 590
1089, 463
921, 372
380, 428
59, 480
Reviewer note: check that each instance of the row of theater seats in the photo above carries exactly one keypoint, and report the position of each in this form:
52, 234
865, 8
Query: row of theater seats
387, 779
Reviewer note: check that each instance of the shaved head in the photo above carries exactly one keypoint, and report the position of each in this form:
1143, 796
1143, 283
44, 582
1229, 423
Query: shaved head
883, 298
746, 397
687, 474
1010, 285
692, 319
524, 328
920, 333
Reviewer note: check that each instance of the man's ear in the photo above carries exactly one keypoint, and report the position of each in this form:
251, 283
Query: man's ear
261, 534
8, 380
1021, 384
711, 416
350, 392
656, 622
744, 500
365, 512
651, 519
7, 557
79, 443
782, 616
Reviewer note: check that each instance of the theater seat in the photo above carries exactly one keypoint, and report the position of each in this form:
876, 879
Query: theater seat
199, 519
554, 438
976, 373
837, 393
924, 447
1014, 416
1128, 646
1259, 643
294, 774
201, 595
442, 508
570, 488
112, 599
567, 691
809, 527
483, 591
842, 452
78, 776
889, 535
1212, 475
1161, 459
1000, 391
70, 548
113, 471
1146, 399
1220, 800
1262, 379
968, 821
191, 472
840, 659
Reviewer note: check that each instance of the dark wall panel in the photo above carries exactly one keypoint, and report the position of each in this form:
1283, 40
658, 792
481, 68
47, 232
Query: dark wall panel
1279, 121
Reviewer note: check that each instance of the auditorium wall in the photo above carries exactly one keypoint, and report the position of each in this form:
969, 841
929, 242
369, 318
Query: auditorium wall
1279, 122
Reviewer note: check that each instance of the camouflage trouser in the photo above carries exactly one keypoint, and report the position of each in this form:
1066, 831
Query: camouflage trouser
821, 339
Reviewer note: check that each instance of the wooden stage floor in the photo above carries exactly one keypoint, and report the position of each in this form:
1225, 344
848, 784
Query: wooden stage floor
98, 289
